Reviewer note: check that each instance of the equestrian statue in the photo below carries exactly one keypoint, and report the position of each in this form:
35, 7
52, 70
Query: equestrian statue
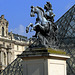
44, 26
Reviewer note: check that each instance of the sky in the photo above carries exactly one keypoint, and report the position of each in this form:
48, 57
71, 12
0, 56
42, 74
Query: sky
17, 12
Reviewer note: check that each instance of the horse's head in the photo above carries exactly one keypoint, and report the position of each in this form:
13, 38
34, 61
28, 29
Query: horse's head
36, 10
33, 10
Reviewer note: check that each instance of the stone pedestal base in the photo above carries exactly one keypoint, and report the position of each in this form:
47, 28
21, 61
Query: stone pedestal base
43, 63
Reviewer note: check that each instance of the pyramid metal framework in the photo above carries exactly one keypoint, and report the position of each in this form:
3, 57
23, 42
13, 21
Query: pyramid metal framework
66, 27
15, 68
66, 37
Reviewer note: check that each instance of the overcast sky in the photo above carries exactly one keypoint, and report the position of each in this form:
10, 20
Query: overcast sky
17, 12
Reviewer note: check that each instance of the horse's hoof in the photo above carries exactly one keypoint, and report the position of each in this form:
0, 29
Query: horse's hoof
31, 24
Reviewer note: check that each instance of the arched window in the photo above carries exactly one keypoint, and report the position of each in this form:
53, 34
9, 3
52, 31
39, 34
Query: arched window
3, 43
4, 59
17, 47
2, 31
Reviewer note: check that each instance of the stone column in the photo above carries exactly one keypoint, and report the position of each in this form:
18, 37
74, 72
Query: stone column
8, 58
8, 55
3, 60
1, 53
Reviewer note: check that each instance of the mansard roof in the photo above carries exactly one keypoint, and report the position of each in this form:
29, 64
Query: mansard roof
18, 37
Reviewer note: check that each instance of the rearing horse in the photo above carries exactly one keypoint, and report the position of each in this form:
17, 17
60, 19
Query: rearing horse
42, 25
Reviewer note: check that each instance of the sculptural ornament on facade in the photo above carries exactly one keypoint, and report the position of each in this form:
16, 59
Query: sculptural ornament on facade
44, 25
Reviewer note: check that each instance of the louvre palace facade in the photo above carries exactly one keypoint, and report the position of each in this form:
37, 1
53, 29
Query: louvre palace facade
10, 44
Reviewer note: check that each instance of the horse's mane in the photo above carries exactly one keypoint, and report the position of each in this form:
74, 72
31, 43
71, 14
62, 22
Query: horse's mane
40, 8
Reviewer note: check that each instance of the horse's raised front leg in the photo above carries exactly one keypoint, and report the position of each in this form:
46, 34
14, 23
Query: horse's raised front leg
31, 24
27, 28
37, 25
34, 27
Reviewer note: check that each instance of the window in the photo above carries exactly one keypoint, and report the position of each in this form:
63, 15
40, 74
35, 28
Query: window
17, 47
4, 59
3, 43
2, 31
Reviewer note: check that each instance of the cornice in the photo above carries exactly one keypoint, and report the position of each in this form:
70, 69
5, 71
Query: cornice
21, 43
13, 41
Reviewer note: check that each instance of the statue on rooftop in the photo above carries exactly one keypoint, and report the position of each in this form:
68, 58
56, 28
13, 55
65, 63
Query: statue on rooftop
3, 20
44, 25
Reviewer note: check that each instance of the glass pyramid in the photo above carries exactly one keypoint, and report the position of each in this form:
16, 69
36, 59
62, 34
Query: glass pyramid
66, 37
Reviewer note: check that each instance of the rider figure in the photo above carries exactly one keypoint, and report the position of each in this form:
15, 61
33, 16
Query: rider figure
48, 13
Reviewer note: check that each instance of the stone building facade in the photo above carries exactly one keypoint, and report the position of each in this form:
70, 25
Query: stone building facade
10, 44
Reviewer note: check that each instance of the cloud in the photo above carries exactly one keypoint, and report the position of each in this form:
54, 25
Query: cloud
21, 30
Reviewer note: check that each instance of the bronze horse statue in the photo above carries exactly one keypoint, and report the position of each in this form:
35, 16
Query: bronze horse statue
43, 27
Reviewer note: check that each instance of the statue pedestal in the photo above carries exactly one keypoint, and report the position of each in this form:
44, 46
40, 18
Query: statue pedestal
43, 63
